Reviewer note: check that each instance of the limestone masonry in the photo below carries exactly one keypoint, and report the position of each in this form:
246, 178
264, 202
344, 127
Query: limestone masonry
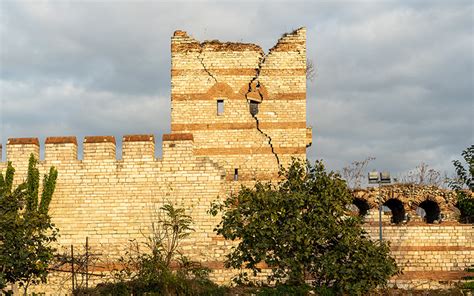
237, 115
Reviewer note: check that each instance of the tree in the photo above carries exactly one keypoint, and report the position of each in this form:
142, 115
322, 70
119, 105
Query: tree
300, 227
463, 184
423, 175
310, 70
355, 172
26, 230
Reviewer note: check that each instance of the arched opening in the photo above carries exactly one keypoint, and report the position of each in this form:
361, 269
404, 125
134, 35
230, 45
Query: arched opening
398, 211
431, 211
362, 206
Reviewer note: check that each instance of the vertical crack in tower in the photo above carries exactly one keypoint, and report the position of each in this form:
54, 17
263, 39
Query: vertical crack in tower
251, 83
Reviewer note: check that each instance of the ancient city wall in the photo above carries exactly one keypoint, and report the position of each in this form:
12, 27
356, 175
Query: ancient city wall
212, 150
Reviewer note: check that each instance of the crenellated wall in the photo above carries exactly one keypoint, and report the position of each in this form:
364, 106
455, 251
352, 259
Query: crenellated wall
114, 201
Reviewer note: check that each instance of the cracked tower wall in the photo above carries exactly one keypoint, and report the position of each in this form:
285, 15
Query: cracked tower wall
237, 74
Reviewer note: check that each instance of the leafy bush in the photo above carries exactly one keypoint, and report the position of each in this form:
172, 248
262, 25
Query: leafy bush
464, 185
284, 290
300, 227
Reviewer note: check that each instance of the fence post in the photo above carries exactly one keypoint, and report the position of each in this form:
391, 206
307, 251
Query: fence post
72, 269
87, 262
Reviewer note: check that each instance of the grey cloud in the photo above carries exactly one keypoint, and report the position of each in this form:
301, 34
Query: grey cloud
396, 85
394, 79
66, 109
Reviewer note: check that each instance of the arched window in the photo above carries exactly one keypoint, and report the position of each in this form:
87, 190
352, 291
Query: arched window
398, 211
431, 211
361, 205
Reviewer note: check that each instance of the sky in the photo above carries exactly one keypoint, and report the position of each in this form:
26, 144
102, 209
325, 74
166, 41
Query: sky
394, 79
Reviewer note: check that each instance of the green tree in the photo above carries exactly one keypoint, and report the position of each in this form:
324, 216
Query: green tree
300, 227
463, 184
26, 230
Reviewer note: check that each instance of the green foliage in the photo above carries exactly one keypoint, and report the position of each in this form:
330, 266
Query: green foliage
299, 227
25, 227
464, 185
284, 290
153, 272
468, 285
168, 232
469, 280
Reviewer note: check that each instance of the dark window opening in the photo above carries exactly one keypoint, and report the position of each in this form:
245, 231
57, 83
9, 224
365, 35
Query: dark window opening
220, 107
431, 211
398, 211
362, 206
253, 106
236, 174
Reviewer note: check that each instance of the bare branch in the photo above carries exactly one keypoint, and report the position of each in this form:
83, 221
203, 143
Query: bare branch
355, 172
310, 70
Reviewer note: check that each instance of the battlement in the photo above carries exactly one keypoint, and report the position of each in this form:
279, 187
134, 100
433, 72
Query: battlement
60, 149
20, 149
98, 148
178, 147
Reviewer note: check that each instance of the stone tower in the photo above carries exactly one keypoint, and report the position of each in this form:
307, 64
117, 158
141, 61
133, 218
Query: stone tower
246, 109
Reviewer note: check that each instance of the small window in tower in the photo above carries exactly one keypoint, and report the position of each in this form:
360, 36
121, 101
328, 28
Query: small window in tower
253, 108
236, 174
220, 107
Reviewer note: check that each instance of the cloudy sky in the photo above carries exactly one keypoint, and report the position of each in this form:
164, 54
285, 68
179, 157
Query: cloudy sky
394, 79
